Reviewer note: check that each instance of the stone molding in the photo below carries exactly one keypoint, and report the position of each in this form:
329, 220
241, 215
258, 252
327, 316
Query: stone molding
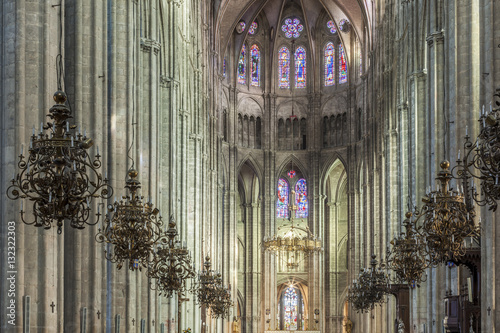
149, 44
168, 82
435, 37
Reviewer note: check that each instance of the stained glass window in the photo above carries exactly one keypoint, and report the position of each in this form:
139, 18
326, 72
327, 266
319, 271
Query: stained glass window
282, 203
342, 65
331, 26
301, 199
291, 173
224, 68
284, 67
344, 25
254, 65
300, 67
253, 28
329, 64
241, 26
291, 309
241, 66
292, 28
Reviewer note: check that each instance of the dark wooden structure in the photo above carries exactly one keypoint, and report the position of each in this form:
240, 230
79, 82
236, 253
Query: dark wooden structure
460, 311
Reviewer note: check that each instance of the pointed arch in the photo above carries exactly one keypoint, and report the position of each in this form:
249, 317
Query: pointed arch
331, 163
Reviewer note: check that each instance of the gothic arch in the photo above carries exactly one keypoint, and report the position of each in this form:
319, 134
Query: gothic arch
252, 162
296, 162
328, 165
253, 103
284, 108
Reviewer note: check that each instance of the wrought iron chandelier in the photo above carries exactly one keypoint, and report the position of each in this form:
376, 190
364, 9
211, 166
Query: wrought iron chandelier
369, 288
482, 158
133, 229
448, 221
211, 293
222, 303
59, 177
171, 265
408, 256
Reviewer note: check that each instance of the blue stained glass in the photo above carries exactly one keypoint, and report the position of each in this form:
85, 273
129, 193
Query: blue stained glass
301, 199
331, 26
282, 203
300, 67
292, 28
224, 68
329, 64
284, 67
242, 26
344, 25
241, 66
291, 309
253, 28
342, 65
255, 65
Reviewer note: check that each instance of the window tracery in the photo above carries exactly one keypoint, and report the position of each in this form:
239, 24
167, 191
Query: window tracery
253, 28
292, 28
331, 27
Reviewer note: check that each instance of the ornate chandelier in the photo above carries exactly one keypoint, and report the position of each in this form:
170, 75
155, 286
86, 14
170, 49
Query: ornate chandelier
59, 177
369, 288
211, 293
447, 220
291, 241
482, 158
172, 265
133, 229
222, 303
408, 256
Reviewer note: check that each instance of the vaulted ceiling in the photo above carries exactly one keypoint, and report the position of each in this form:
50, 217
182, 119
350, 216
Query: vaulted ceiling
230, 12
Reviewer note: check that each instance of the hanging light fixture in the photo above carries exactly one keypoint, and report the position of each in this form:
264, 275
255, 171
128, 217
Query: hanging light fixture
369, 288
211, 293
132, 226
482, 157
408, 256
171, 265
222, 303
59, 178
292, 243
448, 220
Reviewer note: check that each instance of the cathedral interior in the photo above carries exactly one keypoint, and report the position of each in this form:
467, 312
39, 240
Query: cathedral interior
249, 166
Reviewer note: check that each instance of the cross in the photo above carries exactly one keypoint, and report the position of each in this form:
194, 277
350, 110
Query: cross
98, 314
133, 322
52, 306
